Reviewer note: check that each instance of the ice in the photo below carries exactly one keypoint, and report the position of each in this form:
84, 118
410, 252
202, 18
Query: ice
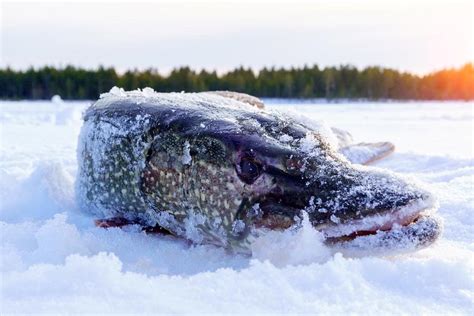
115, 91
148, 92
309, 144
286, 138
186, 154
54, 260
177, 98
314, 123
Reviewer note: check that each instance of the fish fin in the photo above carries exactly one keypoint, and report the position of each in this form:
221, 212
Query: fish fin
367, 153
121, 222
112, 222
344, 138
242, 97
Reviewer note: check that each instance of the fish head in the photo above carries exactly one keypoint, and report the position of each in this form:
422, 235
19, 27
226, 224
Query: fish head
279, 167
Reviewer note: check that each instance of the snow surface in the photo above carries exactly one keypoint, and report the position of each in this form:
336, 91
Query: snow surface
53, 259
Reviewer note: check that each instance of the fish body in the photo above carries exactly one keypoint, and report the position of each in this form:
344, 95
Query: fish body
215, 169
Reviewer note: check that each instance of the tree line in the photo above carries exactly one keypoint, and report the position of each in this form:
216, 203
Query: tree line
344, 81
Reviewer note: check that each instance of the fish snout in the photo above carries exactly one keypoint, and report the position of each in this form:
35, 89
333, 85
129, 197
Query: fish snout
366, 201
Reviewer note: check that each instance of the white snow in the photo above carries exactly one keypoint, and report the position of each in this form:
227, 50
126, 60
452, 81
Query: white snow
304, 246
56, 99
186, 159
54, 260
177, 98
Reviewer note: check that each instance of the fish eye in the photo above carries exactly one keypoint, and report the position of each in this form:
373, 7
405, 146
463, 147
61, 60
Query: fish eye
249, 169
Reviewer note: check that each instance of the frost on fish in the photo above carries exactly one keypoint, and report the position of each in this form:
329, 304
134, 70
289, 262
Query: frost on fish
399, 239
111, 157
214, 169
112, 152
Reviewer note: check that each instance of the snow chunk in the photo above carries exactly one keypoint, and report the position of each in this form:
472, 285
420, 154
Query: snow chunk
114, 91
319, 126
187, 159
334, 219
238, 226
192, 225
56, 99
148, 92
301, 244
309, 144
285, 138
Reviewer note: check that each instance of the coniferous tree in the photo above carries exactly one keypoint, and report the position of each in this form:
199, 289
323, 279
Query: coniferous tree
344, 81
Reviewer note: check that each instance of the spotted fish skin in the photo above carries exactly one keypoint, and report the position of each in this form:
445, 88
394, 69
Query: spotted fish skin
133, 165
211, 168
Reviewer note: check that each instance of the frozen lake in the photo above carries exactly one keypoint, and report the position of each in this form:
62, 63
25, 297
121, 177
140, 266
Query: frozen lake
53, 259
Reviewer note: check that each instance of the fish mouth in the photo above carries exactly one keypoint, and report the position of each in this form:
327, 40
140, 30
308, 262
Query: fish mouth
412, 226
409, 227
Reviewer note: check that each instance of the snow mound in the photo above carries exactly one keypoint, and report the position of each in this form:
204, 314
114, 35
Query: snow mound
56, 99
47, 191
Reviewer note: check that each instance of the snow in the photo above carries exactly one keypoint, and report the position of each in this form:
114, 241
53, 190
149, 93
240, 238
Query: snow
56, 99
304, 245
54, 260
186, 154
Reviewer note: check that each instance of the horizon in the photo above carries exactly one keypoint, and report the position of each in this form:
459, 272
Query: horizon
216, 36
122, 72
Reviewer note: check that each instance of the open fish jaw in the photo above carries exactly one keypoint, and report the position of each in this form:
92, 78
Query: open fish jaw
419, 234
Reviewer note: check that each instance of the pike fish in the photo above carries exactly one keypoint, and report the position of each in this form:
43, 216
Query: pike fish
218, 168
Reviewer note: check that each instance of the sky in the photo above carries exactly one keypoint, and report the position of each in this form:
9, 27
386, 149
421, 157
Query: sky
417, 36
